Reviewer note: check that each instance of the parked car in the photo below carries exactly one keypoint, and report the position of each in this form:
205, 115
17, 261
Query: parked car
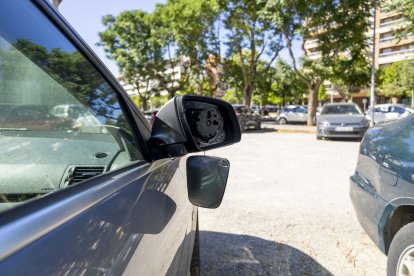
33, 117
247, 117
341, 120
382, 192
120, 200
292, 114
384, 113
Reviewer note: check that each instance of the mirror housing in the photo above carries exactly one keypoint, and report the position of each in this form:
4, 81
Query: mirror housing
191, 124
207, 180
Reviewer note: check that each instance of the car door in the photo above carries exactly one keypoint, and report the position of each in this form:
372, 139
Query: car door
302, 114
394, 113
85, 200
290, 114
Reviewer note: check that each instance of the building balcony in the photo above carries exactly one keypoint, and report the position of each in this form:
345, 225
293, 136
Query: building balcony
391, 57
390, 23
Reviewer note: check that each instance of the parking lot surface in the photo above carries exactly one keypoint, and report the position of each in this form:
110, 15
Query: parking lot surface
287, 210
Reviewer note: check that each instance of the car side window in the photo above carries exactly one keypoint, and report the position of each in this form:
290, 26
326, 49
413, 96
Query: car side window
397, 109
61, 123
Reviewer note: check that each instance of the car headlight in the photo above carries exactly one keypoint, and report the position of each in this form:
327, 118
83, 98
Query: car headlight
323, 123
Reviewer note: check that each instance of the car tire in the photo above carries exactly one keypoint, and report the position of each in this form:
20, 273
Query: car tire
282, 121
195, 259
318, 137
402, 247
258, 126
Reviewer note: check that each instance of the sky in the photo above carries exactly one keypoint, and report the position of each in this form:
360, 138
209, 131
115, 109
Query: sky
85, 16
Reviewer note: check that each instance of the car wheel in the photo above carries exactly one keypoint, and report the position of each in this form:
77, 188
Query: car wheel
401, 254
258, 126
319, 137
195, 259
283, 121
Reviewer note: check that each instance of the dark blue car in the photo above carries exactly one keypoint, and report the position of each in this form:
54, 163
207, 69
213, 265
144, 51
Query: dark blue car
107, 194
382, 192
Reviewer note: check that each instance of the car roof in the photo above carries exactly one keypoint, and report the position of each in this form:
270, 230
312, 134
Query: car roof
336, 104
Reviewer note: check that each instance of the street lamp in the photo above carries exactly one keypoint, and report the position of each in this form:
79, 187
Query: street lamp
373, 66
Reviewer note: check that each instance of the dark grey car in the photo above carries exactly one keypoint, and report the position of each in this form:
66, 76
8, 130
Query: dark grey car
112, 196
341, 120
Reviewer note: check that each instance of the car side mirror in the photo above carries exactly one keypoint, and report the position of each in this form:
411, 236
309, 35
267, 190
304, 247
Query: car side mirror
207, 180
191, 124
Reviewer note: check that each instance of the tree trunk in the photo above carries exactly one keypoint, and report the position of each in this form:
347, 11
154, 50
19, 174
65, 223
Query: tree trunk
312, 102
412, 97
247, 95
144, 103
171, 94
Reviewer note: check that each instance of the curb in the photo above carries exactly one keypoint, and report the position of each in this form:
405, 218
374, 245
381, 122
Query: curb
310, 131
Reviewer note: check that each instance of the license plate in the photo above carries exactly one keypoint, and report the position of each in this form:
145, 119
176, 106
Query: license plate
344, 129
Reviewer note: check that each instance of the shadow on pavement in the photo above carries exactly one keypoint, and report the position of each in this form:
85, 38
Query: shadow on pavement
262, 130
231, 254
343, 140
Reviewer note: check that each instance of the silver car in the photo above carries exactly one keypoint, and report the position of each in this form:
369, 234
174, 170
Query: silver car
293, 114
342, 120
385, 113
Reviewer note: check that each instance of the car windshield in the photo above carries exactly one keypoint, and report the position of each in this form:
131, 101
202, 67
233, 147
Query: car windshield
341, 109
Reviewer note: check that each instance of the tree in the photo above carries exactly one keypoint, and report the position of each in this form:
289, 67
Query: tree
407, 78
405, 8
251, 37
350, 75
128, 40
339, 27
290, 87
397, 79
184, 30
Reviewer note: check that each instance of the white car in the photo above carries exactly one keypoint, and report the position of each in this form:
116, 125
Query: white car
384, 113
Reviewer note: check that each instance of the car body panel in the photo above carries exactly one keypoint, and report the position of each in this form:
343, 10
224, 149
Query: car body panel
97, 236
383, 179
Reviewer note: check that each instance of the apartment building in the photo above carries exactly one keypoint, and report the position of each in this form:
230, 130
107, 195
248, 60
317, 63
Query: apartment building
174, 71
388, 47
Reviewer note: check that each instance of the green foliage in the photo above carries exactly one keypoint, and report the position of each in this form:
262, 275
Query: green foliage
128, 40
250, 37
137, 100
351, 73
290, 88
322, 96
406, 9
158, 101
233, 96
338, 25
397, 79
